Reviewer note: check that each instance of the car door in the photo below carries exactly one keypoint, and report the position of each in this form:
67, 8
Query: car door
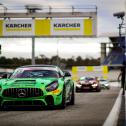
67, 82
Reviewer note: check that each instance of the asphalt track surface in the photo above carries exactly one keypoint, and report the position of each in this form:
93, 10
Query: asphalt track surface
90, 109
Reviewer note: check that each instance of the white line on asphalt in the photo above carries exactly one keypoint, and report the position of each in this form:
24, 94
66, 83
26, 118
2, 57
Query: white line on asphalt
112, 118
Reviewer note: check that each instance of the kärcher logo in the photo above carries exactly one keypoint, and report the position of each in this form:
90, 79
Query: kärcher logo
67, 25
18, 25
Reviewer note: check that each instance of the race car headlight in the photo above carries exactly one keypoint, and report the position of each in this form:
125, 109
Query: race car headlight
52, 86
94, 84
78, 82
106, 84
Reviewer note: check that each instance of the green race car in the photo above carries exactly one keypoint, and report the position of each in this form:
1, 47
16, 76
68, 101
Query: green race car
37, 85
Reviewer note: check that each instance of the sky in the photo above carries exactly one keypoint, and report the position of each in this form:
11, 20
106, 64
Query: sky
107, 25
65, 48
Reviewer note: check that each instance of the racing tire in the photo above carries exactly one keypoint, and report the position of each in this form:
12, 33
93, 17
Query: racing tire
72, 100
77, 90
98, 89
108, 88
2, 107
63, 104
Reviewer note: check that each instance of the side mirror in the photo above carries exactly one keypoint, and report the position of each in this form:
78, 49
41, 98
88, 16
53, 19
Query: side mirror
67, 74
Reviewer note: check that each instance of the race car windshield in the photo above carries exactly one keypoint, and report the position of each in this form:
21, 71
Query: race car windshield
86, 79
102, 80
34, 74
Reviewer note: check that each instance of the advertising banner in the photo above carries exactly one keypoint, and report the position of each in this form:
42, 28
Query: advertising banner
47, 27
67, 27
17, 28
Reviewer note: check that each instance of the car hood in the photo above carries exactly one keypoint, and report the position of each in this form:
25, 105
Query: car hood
27, 82
87, 82
103, 82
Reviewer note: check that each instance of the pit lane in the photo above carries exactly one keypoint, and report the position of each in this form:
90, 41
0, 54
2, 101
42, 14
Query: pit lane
90, 109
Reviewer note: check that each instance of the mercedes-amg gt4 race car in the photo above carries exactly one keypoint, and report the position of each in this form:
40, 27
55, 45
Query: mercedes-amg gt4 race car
37, 85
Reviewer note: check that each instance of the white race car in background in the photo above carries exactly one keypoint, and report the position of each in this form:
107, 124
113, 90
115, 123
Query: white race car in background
104, 83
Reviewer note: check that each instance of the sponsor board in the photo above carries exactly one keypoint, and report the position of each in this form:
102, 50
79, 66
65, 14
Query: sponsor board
47, 27
67, 27
89, 71
18, 27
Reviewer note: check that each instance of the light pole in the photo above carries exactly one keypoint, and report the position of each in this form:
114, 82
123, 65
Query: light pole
32, 9
58, 62
122, 45
0, 49
4, 8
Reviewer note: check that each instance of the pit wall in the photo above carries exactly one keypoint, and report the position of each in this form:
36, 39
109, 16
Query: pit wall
6, 70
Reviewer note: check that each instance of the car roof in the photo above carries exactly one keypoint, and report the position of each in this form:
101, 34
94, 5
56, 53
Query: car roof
38, 65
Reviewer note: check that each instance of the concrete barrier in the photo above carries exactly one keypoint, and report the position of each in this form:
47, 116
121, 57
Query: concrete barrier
90, 70
99, 71
6, 70
113, 116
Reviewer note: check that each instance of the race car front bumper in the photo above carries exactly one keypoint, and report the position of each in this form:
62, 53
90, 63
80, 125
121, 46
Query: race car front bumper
53, 98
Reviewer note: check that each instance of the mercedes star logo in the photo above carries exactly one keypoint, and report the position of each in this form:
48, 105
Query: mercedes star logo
21, 93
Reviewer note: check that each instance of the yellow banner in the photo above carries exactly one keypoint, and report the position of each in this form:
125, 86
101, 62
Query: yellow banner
90, 68
1, 27
42, 27
105, 69
88, 27
74, 69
